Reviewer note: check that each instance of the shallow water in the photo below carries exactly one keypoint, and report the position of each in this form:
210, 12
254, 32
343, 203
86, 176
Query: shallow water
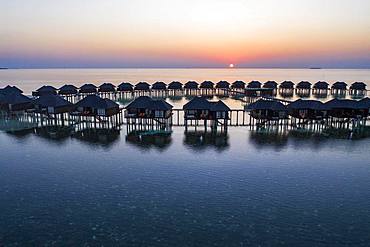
239, 190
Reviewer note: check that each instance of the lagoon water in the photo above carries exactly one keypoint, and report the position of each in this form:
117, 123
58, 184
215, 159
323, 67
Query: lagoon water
245, 189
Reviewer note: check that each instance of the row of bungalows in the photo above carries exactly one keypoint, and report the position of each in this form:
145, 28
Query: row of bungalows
160, 89
335, 112
55, 108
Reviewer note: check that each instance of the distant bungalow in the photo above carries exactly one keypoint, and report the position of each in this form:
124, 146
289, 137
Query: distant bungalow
15, 102
45, 90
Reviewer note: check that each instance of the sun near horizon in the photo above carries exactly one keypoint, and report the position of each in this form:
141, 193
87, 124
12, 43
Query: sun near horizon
177, 33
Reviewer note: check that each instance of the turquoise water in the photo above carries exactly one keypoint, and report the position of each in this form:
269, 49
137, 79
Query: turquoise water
239, 190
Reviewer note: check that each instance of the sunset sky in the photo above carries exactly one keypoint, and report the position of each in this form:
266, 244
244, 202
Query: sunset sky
185, 33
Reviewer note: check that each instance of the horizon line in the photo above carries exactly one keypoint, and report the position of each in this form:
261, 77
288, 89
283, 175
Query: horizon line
187, 67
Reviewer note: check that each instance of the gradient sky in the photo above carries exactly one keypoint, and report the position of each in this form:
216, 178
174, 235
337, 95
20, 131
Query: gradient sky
185, 33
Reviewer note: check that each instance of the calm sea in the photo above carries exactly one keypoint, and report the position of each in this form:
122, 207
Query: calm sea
109, 188
32, 79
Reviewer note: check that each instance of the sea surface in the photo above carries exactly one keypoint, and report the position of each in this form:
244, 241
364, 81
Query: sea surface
245, 188
31, 79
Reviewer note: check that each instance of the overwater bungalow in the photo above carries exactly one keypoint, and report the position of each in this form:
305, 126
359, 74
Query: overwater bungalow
45, 90
142, 88
338, 88
94, 105
191, 88
206, 88
272, 85
52, 104
159, 89
68, 91
14, 102
102, 111
222, 88
146, 107
199, 108
175, 88
320, 89
252, 88
146, 111
88, 89
303, 89
54, 107
125, 89
238, 85
306, 110
343, 108
286, 88
343, 112
107, 90
267, 112
357, 89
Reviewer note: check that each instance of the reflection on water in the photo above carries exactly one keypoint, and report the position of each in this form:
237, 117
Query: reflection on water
160, 141
100, 137
200, 141
183, 189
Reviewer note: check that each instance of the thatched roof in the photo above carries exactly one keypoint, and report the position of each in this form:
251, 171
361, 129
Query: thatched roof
287, 85
142, 86
238, 85
44, 90
88, 88
206, 85
339, 85
14, 98
307, 104
96, 102
107, 87
262, 104
51, 100
197, 103
125, 87
68, 89
358, 86
254, 84
160, 105
201, 103
159, 85
304, 85
321, 85
10, 90
191, 85
219, 106
270, 84
145, 102
343, 104
175, 85
223, 84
